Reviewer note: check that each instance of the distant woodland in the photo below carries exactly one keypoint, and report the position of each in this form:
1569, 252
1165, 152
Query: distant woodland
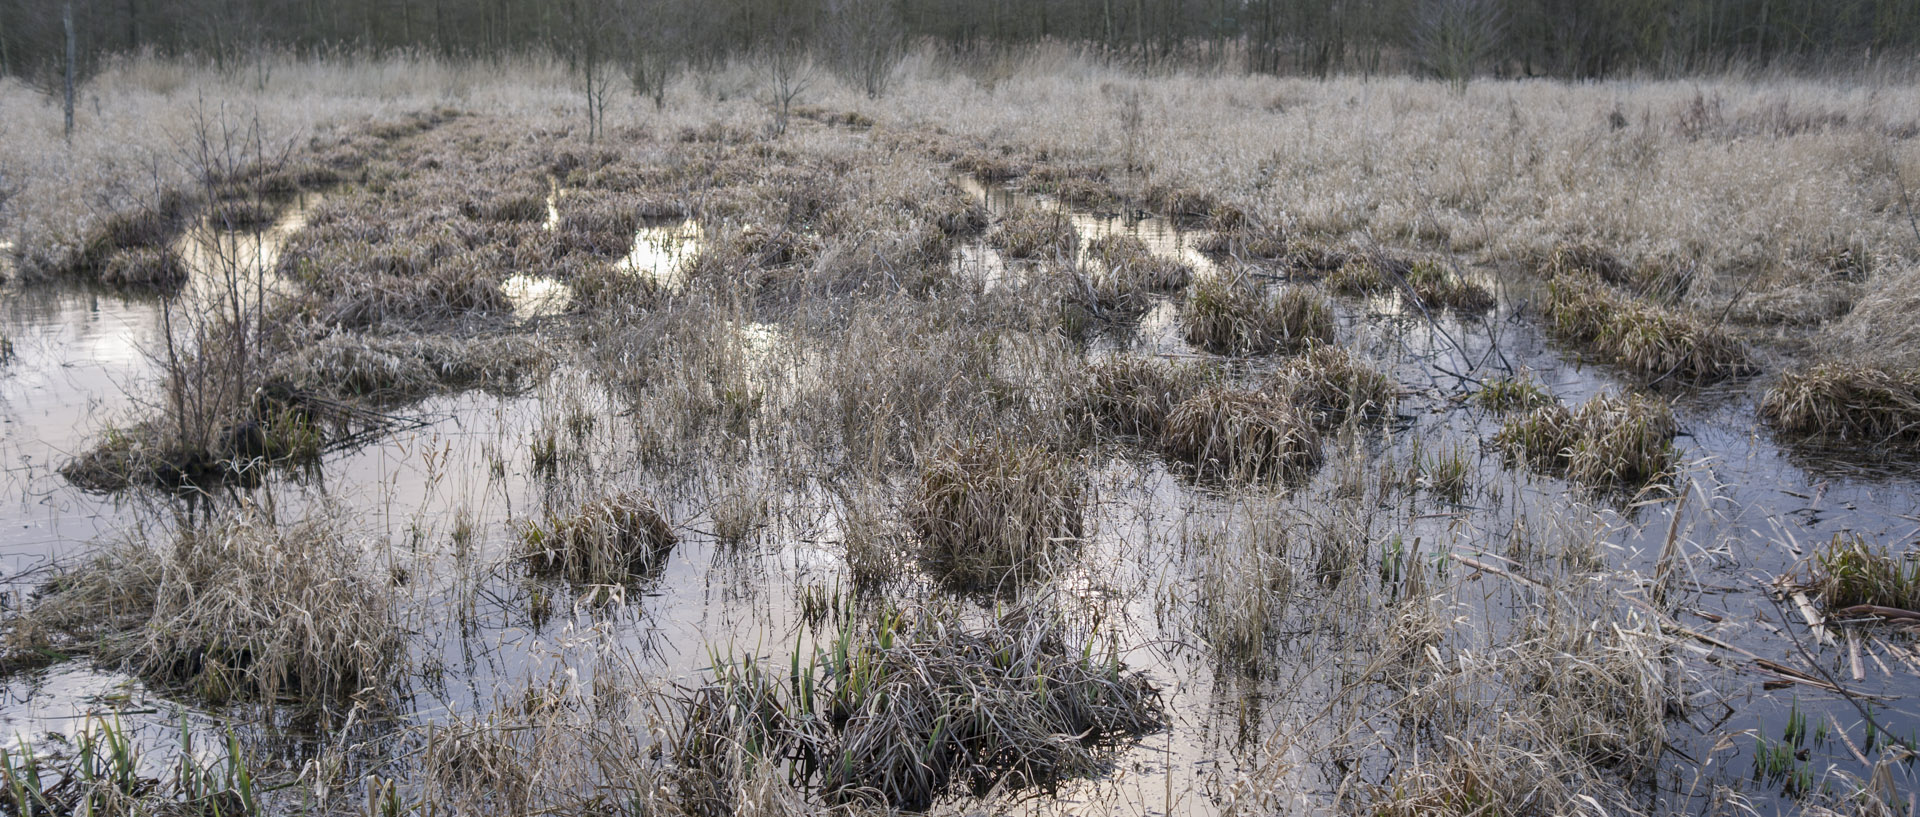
649, 39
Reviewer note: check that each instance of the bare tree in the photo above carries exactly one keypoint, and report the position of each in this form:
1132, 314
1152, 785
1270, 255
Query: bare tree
653, 47
1453, 37
787, 69
866, 41
584, 40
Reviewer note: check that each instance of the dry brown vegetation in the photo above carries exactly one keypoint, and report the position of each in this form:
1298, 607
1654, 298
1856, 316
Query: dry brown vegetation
244, 608
1611, 440
1649, 340
1127, 259
896, 713
994, 509
1243, 435
1237, 316
1265, 498
1134, 395
616, 539
1846, 402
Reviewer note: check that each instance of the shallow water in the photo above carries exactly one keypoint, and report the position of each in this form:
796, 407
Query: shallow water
487, 631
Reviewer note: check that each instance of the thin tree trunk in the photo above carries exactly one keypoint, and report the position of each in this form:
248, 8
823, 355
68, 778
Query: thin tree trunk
66, 19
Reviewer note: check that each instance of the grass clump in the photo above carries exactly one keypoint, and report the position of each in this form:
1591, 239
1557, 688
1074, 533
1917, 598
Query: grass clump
1646, 339
1135, 395
1033, 233
1332, 384
396, 368
147, 228
1847, 572
1245, 585
1846, 401
1236, 317
1247, 242
144, 267
903, 710
240, 609
617, 539
989, 510
1609, 441
1243, 435
1518, 393
1427, 281
1129, 259
104, 772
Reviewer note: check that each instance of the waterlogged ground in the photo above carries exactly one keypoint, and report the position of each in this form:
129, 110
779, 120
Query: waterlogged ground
446, 491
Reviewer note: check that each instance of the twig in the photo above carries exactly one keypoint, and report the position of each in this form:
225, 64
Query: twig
1852, 697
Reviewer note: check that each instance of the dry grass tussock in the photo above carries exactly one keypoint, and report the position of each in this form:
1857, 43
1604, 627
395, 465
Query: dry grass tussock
616, 539
1651, 341
1847, 571
1236, 316
1517, 393
995, 509
1332, 383
1846, 401
920, 701
1035, 233
241, 609
1609, 441
389, 369
1427, 281
1243, 435
1135, 395
1128, 259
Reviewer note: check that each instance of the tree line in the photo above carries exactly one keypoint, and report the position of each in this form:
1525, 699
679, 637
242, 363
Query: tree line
651, 39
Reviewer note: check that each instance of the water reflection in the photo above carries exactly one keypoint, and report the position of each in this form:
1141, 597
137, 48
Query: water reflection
537, 296
661, 251
1163, 236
